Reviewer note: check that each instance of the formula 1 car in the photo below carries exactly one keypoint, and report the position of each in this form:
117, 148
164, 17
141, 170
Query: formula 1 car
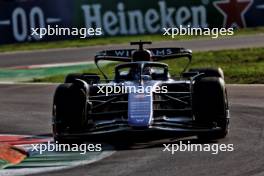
196, 102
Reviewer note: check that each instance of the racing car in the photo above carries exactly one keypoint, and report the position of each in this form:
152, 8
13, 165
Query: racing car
195, 102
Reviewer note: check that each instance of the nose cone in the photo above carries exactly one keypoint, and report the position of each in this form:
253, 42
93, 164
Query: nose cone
140, 109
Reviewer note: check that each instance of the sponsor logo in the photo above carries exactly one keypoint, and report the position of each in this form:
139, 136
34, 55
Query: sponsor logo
233, 12
124, 22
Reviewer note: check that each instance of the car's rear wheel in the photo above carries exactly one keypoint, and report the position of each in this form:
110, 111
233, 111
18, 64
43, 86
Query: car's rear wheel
69, 109
89, 78
209, 72
210, 106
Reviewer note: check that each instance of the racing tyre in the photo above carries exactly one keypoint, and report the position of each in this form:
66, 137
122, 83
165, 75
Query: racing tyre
69, 107
70, 78
209, 72
210, 106
87, 77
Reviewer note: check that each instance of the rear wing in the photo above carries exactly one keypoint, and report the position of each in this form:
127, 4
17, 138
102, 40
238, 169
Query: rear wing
158, 54
125, 55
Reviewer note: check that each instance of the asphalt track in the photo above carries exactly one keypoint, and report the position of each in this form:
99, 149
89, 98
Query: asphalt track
87, 53
26, 109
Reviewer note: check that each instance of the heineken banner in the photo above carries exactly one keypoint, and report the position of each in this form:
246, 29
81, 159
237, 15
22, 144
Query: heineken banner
121, 17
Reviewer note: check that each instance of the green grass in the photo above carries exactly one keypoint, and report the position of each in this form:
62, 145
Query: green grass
111, 40
243, 66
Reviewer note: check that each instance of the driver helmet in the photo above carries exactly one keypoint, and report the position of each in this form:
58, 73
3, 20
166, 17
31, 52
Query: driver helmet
147, 71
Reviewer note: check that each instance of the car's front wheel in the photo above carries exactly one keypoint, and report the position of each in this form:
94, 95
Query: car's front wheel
69, 108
